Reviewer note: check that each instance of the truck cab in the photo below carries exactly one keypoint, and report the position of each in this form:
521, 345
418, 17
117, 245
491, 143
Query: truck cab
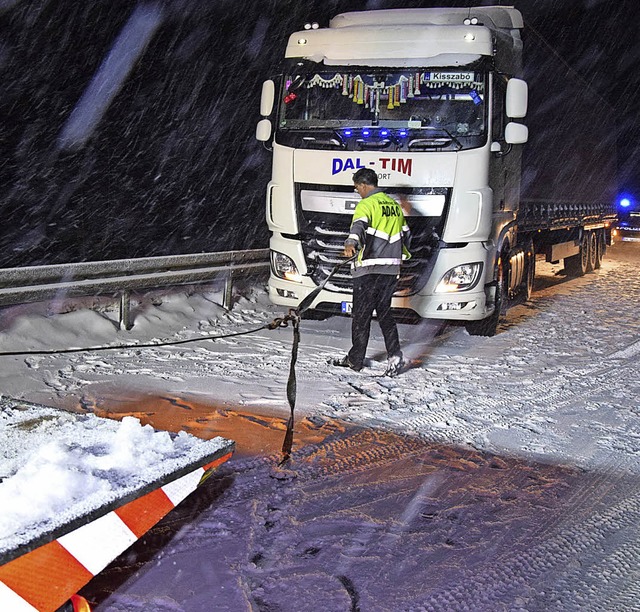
432, 100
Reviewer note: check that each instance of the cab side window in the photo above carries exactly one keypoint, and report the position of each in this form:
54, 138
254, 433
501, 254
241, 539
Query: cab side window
497, 108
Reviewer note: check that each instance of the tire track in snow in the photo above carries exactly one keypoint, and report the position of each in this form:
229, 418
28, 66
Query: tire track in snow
504, 586
448, 417
626, 354
273, 557
562, 554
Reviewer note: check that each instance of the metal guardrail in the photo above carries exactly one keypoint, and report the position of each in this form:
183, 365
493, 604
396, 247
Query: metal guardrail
35, 283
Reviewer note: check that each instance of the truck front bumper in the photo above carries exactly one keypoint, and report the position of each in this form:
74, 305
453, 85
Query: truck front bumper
469, 305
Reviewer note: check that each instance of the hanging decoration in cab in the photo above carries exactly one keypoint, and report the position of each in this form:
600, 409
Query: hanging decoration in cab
370, 90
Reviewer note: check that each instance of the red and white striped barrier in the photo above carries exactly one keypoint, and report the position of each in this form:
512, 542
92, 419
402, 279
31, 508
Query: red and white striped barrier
45, 578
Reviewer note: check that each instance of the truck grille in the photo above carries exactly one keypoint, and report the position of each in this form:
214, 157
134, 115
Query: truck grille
323, 235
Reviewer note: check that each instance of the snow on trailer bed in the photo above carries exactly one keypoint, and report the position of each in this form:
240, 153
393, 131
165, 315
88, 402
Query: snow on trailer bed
76, 490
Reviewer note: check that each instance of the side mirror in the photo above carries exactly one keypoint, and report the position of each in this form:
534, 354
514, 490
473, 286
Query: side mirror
268, 97
263, 130
516, 133
517, 98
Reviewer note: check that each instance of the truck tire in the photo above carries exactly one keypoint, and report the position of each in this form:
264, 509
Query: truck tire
489, 326
601, 249
530, 273
592, 257
577, 265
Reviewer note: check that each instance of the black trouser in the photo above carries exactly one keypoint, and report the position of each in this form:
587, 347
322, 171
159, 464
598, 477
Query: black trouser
372, 292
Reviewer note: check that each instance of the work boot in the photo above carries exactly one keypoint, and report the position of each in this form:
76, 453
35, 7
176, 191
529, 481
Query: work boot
395, 364
345, 362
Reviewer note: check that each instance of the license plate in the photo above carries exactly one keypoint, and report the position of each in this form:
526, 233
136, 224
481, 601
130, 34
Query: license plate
347, 307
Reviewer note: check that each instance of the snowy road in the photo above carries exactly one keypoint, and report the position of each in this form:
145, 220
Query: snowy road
496, 474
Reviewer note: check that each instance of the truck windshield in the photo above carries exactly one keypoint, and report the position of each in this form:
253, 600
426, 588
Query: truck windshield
448, 104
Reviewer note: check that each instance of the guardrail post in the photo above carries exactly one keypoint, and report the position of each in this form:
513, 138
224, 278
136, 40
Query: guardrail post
227, 298
125, 310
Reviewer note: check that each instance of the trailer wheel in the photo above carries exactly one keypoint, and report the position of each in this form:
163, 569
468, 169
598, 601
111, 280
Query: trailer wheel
577, 265
489, 326
601, 248
592, 240
530, 273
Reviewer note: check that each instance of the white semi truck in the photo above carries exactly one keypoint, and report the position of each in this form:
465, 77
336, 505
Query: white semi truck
491, 169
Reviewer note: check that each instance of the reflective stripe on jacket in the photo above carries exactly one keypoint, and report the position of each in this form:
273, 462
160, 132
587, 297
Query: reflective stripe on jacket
379, 231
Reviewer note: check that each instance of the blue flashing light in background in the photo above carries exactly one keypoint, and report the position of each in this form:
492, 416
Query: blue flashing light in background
402, 133
384, 133
347, 133
626, 202
365, 133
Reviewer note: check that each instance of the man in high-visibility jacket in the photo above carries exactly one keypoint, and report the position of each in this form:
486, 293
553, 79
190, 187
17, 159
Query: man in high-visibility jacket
381, 237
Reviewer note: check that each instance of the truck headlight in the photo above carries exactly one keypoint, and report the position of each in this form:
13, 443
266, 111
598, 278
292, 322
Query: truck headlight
284, 267
460, 278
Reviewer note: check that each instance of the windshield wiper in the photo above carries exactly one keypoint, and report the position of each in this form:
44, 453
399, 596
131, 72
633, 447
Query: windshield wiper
368, 143
435, 141
329, 139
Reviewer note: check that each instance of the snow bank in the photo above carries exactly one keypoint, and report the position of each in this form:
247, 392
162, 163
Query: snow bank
57, 466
